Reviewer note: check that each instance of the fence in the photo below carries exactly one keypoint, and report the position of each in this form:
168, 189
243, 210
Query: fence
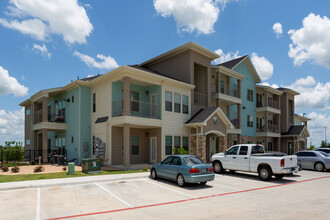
11, 155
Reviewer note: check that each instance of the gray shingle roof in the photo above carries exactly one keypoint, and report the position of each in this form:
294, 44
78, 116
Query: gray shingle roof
90, 78
231, 63
294, 130
202, 115
103, 119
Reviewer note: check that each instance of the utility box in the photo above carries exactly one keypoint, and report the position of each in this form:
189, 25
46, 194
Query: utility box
71, 168
91, 165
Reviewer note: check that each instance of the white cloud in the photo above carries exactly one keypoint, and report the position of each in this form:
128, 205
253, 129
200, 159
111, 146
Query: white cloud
275, 86
223, 3
311, 42
225, 57
10, 85
264, 68
312, 94
62, 17
42, 50
105, 63
12, 125
33, 27
316, 127
277, 28
196, 15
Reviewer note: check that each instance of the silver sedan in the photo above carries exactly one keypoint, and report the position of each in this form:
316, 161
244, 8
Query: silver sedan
315, 160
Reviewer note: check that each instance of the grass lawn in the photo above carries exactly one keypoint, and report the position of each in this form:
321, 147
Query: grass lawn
23, 177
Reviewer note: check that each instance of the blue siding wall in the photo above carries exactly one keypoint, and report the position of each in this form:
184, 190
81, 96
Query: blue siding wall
85, 123
250, 107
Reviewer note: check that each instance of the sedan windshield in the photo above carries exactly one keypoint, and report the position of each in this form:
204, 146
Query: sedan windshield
324, 154
192, 160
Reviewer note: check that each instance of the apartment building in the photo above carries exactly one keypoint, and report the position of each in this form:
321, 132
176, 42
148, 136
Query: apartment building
141, 113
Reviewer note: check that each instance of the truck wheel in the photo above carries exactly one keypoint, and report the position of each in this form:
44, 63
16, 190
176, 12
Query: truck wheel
319, 167
279, 176
265, 173
217, 167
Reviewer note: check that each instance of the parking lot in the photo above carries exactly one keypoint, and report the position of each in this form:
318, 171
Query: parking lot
230, 196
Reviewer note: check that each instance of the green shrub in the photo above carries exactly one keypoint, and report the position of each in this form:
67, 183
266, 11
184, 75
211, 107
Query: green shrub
179, 150
4, 168
38, 169
15, 169
64, 168
145, 169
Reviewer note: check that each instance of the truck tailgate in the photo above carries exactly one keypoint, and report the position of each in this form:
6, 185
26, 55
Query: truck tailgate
290, 161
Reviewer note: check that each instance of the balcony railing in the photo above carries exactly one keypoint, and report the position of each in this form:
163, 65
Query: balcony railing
37, 116
271, 128
229, 90
273, 104
138, 109
200, 98
235, 123
270, 103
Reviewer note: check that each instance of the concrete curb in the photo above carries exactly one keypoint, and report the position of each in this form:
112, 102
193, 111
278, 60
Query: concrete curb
70, 181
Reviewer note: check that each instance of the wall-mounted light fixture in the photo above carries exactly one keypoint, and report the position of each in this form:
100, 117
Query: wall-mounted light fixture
68, 100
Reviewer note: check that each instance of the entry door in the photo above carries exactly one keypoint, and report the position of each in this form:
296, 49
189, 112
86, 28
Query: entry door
290, 148
153, 150
153, 101
213, 146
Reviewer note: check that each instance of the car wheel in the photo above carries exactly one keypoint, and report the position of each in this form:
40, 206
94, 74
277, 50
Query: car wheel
319, 167
217, 167
279, 176
180, 180
265, 173
202, 183
154, 174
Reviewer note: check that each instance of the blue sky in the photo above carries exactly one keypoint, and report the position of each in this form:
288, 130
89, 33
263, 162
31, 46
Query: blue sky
56, 46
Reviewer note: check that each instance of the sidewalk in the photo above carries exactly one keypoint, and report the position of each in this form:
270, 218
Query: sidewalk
70, 181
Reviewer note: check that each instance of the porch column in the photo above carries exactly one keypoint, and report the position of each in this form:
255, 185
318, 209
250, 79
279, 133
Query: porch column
239, 88
126, 96
266, 113
217, 86
44, 109
44, 145
239, 116
126, 156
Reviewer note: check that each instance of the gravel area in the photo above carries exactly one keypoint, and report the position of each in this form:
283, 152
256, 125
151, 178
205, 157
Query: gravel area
30, 168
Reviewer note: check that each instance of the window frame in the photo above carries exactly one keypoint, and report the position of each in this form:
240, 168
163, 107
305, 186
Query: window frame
168, 104
185, 107
135, 149
249, 122
169, 137
177, 97
250, 95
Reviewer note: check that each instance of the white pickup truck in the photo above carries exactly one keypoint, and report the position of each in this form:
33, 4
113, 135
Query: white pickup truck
252, 158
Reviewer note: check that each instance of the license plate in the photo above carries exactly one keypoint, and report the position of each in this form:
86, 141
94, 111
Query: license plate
204, 170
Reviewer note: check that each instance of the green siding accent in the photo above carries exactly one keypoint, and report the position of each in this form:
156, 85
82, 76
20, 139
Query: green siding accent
85, 123
250, 107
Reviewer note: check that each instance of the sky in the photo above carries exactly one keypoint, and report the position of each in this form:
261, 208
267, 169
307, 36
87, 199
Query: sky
46, 44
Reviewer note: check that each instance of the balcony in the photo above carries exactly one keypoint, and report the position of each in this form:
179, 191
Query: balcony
53, 123
273, 130
138, 109
270, 106
200, 98
229, 94
235, 123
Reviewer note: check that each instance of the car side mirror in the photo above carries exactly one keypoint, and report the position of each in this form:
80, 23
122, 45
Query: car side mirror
225, 153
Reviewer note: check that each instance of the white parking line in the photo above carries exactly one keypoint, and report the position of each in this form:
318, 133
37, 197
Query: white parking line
113, 195
38, 205
148, 181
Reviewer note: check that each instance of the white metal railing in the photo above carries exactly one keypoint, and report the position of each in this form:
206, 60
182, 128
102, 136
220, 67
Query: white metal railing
138, 109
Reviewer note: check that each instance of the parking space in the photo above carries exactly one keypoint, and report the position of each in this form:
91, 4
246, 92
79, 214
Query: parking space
229, 196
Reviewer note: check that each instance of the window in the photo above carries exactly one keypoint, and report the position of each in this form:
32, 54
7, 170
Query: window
250, 121
250, 95
94, 102
72, 139
243, 150
168, 101
28, 111
215, 119
177, 142
168, 148
135, 145
270, 146
72, 99
310, 154
176, 161
185, 143
257, 149
27, 141
259, 123
177, 103
135, 98
63, 141
232, 150
168, 160
185, 103
222, 87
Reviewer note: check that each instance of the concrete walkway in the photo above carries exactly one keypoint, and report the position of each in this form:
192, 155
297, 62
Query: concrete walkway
70, 181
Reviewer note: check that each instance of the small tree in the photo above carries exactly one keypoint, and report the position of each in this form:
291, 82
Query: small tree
312, 147
179, 150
